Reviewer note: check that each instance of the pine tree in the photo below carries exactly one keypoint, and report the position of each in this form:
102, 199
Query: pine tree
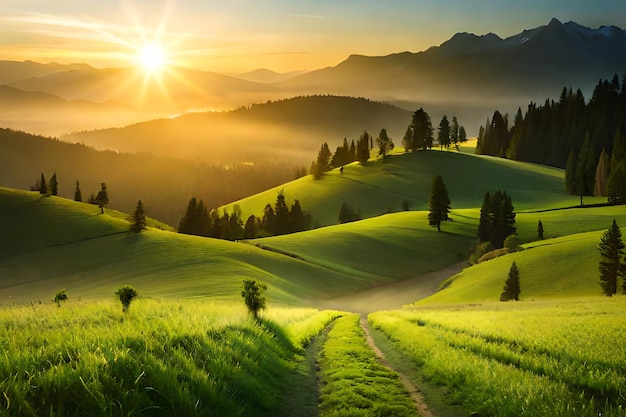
439, 203
78, 195
322, 164
454, 131
138, 220
281, 211
462, 134
540, 230
407, 140
250, 228
484, 223
612, 266
268, 222
584, 180
511, 290
43, 187
384, 142
54, 185
616, 183
363, 148
443, 136
497, 218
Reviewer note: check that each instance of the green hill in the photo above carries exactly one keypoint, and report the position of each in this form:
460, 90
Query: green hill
565, 265
52, 243
381, 186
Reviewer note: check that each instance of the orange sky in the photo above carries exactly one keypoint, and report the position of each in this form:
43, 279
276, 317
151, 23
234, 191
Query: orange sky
277, 34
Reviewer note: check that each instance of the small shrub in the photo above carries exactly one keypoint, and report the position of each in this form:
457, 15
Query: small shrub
126, 294
252, 293
480, 250
59, 297
513, 243
493, 254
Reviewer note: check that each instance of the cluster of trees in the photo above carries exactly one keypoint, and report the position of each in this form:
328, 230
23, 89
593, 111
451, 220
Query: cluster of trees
497, 219
276, 220
587, 139
419, 133
46, 188
347, 153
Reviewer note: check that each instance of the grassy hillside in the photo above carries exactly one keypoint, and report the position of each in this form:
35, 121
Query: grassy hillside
554, 268
53, 243
382, 249
381, 186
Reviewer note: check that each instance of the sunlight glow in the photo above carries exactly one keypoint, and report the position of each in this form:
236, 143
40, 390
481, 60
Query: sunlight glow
153, 58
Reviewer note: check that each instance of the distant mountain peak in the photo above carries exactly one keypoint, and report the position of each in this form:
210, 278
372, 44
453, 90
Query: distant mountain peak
554, 22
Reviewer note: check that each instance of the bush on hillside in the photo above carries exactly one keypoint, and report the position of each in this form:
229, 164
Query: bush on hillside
126, 294
513, 243
493, 254
480, 250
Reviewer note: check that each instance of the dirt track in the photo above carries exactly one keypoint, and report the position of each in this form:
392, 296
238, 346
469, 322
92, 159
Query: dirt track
393, 296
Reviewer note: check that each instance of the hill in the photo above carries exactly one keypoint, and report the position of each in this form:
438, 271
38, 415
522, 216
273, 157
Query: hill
164, 184
286, 130
565, 265
381, 186
54, 243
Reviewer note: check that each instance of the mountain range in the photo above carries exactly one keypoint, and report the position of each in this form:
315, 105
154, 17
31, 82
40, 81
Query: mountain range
468, 75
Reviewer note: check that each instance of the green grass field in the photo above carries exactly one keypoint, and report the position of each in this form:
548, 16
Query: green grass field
177, 358
380, 186
561, 358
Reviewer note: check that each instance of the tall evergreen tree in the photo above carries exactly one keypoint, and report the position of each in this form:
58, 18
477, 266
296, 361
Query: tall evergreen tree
268, 222
540, 230
497, 218
462, 134
439, 203
616, 183
454, 131
54, 185
250, 228
612, 265
512, 288
281, 212
196, 220
384, 142
363, 148
443, 136
298, 219
584, 180
138, 222
322, 164
407, 139
78, 195
43, 187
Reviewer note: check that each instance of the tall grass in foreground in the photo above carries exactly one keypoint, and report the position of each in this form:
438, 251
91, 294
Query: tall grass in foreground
566, 359
353, 383
175, 358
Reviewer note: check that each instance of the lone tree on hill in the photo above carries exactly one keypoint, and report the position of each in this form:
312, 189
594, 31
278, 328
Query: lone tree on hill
252, 293
612, 265
511, 290
419, 134
78, 195
138, 219
439, 203
126, 294
54, 184
102, 199
540, 230
384, 142
322, 164
43, 187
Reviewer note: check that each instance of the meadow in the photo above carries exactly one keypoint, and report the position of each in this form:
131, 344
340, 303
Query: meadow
164, 357
553, 358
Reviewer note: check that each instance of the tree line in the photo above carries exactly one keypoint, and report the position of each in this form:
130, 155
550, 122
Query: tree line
276, 220
585, 138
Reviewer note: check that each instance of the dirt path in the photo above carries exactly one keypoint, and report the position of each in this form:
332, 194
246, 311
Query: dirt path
393, 296
416, 396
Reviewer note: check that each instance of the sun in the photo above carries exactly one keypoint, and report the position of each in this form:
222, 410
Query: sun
152, 58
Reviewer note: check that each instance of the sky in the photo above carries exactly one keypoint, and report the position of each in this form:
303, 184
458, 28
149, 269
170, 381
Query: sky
236, 36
